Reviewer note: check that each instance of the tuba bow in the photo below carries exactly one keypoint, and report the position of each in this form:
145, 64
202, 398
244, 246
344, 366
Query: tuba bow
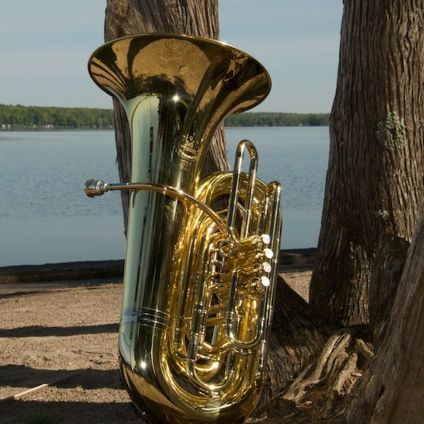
201, 257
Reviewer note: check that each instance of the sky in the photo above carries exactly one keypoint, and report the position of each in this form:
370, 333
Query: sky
45, 45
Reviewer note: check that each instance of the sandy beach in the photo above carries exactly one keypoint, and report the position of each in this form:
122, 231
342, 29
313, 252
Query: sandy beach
58, 357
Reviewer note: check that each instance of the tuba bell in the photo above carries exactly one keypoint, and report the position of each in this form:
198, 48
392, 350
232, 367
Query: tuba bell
201, 258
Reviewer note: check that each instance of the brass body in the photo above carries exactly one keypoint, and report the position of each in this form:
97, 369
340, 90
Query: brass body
199, 277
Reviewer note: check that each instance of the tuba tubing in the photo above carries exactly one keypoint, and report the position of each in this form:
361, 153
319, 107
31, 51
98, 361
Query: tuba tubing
199, 278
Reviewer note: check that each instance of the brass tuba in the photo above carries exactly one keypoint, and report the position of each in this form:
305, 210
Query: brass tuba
202, 254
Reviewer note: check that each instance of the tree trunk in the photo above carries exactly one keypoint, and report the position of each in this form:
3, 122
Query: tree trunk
375, 186
296, 339
131, 17
393, 388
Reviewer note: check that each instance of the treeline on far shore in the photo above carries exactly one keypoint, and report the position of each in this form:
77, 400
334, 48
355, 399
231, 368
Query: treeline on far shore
15, 117
46, 117
277, 119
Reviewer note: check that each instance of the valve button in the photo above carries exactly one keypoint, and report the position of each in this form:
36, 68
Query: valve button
265, 281
268, 253
266, 266
266, 239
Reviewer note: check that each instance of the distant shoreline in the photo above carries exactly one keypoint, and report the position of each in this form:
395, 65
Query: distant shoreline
288, 258
30, 118
31, 129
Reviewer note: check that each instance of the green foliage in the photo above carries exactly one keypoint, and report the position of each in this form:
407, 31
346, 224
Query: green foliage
26, 117
277, 119
38, 117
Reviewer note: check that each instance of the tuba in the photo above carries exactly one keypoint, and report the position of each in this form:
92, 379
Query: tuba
201, 258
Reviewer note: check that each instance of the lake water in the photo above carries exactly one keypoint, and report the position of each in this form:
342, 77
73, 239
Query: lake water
45, 216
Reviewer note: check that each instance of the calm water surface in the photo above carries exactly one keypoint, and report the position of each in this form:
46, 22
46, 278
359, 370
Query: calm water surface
45, 216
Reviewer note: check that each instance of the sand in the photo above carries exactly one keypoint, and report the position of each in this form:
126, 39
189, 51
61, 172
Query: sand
58, 341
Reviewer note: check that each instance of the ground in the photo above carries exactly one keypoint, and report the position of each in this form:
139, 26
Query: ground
58, 352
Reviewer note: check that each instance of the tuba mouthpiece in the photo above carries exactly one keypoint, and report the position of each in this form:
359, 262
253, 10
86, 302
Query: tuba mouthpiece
95, 187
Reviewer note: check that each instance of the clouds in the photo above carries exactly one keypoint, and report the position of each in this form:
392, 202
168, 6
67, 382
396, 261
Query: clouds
45, 45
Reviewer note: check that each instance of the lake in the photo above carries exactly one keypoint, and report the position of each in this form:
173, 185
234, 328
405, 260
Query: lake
45, 216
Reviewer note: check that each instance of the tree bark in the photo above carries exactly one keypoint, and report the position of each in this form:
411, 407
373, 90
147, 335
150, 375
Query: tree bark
392, 390
295, 341
131, 17
375, 185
